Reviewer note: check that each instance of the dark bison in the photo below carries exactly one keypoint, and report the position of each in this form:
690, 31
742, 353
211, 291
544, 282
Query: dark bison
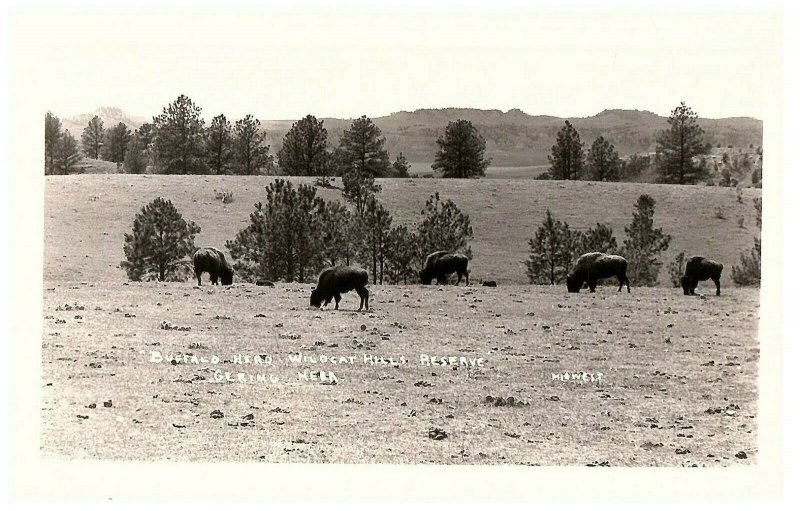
441, 264
699, 268
337, 280
594, 266
213, 261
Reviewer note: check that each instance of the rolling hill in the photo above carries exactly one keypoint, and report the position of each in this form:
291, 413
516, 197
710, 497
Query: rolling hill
87, 216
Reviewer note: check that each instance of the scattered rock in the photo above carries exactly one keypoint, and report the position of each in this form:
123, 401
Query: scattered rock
437, 434
107, 404
217, 414
741, 455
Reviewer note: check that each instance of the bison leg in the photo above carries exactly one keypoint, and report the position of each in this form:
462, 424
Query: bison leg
627, 283
338, 299
466, 274
592, 284
198, 274
459, 278
364, 295
716, 281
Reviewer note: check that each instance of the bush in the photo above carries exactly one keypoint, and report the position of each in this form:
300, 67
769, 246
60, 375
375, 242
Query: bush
160, 241
444, 227
675, 269
748, 272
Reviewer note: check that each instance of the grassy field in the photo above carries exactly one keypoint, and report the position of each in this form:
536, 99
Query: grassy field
133, 370
675, 376
86, 216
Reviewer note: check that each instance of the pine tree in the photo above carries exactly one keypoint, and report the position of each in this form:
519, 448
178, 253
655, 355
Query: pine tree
304, 151
551, 252
377, 223
251, 155
177, 139
358, 188
679, 148
748, 271
67, 154
675, 269
400, 167
644, 244
402, 255
282, 241
566, 160
218, 145
339, 236
444, 227
52, 135
92, 138
461, 151
363, 148
598, 239
117, 140
603, 161
137, 156
160, 244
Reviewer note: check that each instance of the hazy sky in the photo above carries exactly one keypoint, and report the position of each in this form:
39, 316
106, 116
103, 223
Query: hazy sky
280, 64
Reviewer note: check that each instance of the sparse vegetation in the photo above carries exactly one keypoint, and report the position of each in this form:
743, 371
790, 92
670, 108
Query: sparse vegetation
748, 271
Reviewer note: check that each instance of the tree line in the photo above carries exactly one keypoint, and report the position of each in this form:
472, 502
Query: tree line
179, 142
680, 157
293, 234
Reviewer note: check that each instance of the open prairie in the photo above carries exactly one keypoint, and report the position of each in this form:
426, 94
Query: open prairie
87, 216
653, 378
531, 374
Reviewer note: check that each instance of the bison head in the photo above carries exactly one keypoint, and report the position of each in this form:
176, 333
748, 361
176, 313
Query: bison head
316, 298
686, 284
574, 283
226, 275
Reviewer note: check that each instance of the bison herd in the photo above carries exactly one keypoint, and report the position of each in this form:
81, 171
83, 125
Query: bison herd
335, 281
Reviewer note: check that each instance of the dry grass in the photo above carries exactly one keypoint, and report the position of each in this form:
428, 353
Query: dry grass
678, 385
86, 216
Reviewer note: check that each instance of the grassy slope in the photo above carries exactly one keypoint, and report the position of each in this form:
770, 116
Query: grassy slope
86, 216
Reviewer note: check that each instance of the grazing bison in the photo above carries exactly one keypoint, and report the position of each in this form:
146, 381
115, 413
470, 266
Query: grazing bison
699, 268
594, 266
441, 264
213, 261
337, 280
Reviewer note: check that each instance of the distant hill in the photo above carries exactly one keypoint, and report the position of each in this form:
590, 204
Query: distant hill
516, 139
513, 138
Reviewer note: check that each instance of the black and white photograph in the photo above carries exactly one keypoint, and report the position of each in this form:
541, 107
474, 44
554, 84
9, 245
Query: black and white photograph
407, 236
